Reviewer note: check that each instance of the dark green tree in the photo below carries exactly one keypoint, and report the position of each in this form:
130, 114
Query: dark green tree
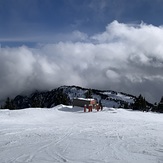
160, 106
88, 94
126, 105
140, 103
61, 98
36, 103
144, 105
9, 104
155, 107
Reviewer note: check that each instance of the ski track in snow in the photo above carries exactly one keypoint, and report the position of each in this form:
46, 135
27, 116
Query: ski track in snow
62, 134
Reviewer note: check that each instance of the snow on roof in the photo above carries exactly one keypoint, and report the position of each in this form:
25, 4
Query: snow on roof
86, 99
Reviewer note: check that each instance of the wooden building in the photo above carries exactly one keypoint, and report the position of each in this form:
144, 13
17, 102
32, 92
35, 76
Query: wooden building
81, 102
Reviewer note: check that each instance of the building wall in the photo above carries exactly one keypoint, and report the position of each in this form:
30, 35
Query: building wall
81, 103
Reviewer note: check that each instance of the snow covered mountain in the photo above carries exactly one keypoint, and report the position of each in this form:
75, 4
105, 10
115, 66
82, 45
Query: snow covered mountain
65, 95
107, 97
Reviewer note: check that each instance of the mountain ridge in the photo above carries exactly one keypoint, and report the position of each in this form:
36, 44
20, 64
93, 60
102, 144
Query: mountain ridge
65, 94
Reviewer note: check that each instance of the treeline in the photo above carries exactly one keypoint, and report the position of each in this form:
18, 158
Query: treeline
9, 104
142, 105
65, 94
37, 100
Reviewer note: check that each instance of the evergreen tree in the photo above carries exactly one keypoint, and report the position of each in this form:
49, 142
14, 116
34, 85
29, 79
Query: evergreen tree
9, 104
126, 105
144, 105
155, 106
160, 106
36, 103
61, 98
140, 103
88, 94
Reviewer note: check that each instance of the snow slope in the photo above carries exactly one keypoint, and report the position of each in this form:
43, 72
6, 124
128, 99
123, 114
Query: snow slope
65, 134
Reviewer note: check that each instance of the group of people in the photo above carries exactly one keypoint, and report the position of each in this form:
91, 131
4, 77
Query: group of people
90, 107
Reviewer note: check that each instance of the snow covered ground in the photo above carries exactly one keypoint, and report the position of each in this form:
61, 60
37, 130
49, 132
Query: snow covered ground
65, 134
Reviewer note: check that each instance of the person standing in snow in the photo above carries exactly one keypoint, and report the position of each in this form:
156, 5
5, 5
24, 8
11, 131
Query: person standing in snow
100, 105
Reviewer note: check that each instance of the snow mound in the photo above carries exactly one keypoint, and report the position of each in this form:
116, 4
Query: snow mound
106, 109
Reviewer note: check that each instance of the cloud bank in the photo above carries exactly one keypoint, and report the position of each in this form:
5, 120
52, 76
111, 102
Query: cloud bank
125, 57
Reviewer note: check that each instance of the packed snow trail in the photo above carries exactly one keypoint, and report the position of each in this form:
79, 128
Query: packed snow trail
65, 134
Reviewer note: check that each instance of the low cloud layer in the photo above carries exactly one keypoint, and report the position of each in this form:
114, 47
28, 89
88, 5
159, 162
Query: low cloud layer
125, 57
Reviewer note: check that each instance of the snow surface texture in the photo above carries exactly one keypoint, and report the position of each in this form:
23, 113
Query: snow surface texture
66, 134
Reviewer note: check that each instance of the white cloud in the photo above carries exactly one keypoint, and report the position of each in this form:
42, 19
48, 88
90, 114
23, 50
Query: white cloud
80, 36
125, 57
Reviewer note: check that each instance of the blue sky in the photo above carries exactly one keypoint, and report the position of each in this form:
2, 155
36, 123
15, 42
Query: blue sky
44, 20
102, 44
